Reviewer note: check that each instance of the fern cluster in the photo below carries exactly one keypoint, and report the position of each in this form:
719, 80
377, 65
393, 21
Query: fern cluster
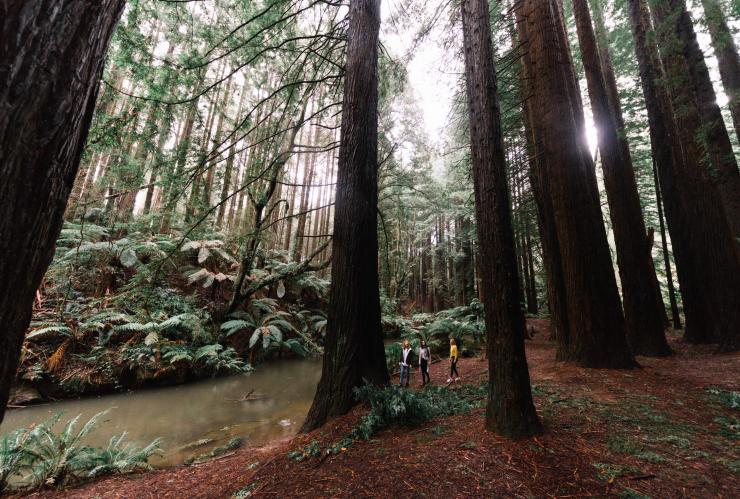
458, 322
125, 308
269, 328
395, 406
39, 457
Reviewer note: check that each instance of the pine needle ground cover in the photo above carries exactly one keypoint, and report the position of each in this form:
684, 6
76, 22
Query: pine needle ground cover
666, 430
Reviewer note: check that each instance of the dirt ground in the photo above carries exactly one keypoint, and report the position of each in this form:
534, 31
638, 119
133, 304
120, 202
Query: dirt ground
663, 430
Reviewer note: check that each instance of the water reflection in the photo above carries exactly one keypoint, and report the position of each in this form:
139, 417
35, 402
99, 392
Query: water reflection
211, 410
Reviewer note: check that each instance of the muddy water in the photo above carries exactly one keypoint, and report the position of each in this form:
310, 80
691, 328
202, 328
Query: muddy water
193, 419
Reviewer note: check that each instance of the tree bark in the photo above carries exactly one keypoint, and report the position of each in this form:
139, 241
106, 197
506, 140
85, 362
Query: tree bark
510, 410
596, 335
727, 57
51, 62
702, 242
354, 343
643, 312
551, 258
694, 95
675, 316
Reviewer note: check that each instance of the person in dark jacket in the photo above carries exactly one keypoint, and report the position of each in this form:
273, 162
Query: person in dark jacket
425, 358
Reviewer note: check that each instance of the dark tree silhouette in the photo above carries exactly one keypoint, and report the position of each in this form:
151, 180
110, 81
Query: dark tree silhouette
643, 308
727, 57
510, 409
354, 343
51, 62
595, 336
706, 262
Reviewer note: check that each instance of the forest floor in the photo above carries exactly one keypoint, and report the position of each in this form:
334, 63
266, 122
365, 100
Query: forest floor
668, 429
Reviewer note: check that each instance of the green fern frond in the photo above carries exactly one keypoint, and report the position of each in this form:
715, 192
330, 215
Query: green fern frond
49, 330
135, 327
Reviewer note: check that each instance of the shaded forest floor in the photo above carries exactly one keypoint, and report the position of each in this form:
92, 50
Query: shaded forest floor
669, 429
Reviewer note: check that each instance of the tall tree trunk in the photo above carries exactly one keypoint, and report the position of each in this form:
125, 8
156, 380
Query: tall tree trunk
194, 201
51, 63
675, 316
727, 57
510, 410
171, 187
468, 271
440, 267
228, 170
643, 312
694, 94
701, 238
597, 328
354, 343
551, 257
308, 179
214, 152
532, 301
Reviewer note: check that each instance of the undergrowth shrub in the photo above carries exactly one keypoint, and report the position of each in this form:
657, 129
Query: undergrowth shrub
393, 405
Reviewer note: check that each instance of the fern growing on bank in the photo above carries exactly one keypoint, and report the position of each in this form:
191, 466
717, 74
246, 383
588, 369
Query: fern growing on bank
39, 457
115, 312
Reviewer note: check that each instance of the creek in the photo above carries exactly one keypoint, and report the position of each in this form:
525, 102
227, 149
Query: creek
192, 419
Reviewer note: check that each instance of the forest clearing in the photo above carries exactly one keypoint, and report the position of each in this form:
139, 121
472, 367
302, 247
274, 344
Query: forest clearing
338, 248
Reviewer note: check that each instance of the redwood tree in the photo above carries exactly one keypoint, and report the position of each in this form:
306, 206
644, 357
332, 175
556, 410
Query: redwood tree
596, 327
643, 309
706, 263
354, 349
727, 57
51, 62
510, 410
696, 104
551, 257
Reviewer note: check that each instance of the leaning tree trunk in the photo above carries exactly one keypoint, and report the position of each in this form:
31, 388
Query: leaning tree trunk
694, 93
596, 327
51, 63
551, 260
727, 57
643, 312
706, 254
354, 344
510, 410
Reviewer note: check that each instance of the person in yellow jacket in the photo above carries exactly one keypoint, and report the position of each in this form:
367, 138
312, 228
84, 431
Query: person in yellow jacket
454, 376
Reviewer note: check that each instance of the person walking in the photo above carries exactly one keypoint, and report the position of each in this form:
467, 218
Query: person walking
405, 363
425, 358
454, 376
